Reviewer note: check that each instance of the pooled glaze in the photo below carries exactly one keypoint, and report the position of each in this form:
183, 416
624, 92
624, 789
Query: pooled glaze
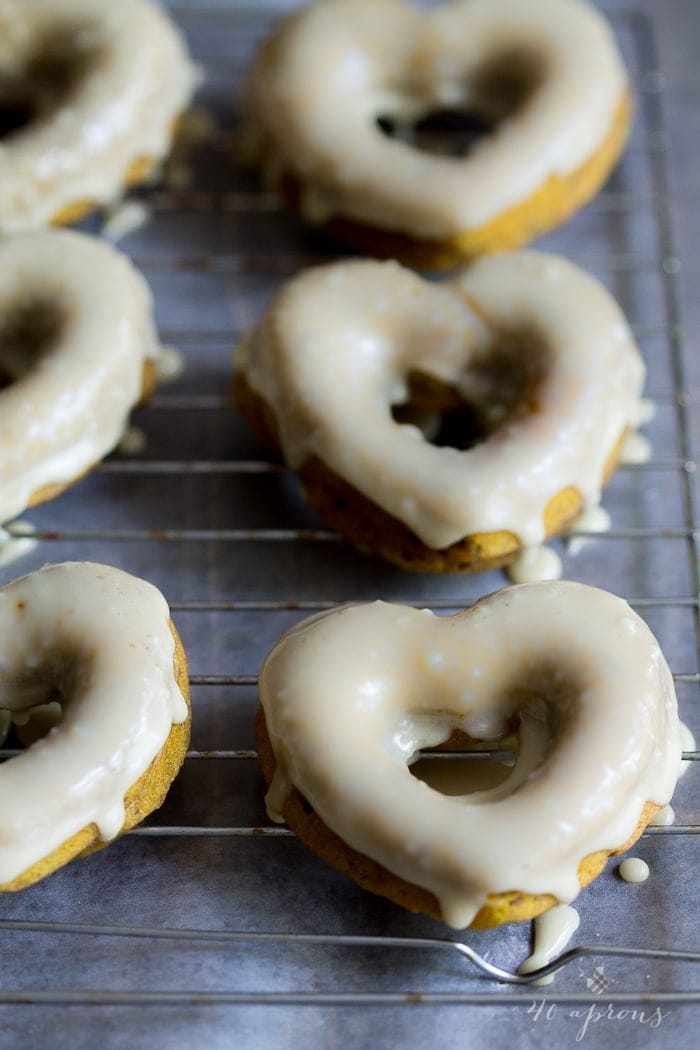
592, 519
664, 818
633, 869
533, 564
351, 695
552, 932
102, 639
138, 79
67, 408
319, 86
124, 219
335, 350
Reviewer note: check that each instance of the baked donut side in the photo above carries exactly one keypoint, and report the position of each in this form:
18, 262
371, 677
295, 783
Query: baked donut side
545, 80
92, 93
351, 696
534, 348
78, 350
148, 742
499, 908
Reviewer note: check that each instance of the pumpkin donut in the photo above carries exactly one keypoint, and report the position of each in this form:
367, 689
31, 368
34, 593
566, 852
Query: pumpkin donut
523, 360
78, 349
543, 80
349, 697
90, 93
101, 642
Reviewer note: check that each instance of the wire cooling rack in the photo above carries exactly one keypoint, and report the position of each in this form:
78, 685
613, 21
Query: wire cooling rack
225, 535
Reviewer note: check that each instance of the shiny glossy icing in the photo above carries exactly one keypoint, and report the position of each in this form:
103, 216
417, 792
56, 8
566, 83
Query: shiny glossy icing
351, 695
68, 406
553, 930
633, 869
335, 350
137, 80
320, 84
101, 638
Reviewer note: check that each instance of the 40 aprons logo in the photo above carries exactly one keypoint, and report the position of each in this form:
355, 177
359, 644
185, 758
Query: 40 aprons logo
592, 1014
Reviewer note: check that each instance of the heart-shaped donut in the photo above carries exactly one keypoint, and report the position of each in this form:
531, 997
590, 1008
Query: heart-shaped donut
526, 359
78, 349
544, 79
351, 696
101, 643
89, 96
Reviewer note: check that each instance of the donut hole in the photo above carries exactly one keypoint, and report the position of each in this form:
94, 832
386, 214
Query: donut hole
450, 132
33, 725
498, 91
29, 330
41, 693
497, 386
535, 711
466, 770
47, 78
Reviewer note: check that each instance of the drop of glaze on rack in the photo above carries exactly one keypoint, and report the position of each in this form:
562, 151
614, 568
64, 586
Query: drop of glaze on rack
687, 744
591, 519
124, 218
535, 564
17, 543
170, 364
133, 441
635, 448
664, 818
633, 869
552, 932
646, 411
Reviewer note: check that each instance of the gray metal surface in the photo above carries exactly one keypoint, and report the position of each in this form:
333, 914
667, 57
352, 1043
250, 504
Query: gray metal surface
240, 558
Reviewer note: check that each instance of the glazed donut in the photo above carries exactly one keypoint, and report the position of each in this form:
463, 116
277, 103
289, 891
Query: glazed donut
544, 77
89, 96
102, 642
535, 347
350, 697
78, 348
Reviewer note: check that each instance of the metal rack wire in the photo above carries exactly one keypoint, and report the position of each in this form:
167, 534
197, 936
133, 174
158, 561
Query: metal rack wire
223, 533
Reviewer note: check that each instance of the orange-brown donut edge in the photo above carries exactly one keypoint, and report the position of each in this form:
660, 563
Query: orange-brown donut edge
552, 204
512, 906
142, 798
346, 510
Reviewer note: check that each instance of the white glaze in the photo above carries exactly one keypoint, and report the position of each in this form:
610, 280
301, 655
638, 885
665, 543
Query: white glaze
591, 519
636, 448
646, 412
133, 442
351, 695
124, 109
72, 407
316, 90
533, 564
664, 818
632, 869
334, 351
125, 218
553, 930
102, 638
170, 364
